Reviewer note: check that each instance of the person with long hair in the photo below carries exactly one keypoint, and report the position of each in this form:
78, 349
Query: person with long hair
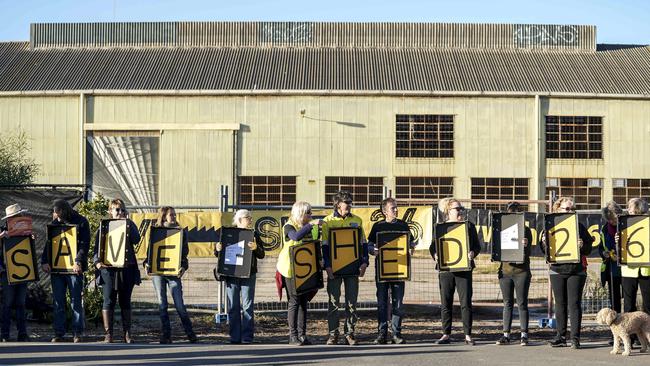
241, 291
461, 281
637, 277
396, 288
298, 228
118, 282
516, 277
62, 213
568, 282
167, 218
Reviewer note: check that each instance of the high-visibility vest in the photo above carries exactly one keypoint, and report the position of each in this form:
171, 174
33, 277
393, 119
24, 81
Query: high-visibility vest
284, 258
633, 272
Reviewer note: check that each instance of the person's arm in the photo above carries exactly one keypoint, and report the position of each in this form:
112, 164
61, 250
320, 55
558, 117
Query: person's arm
475, 244
587, 240
134, 233
371, 240
185, 264
298, 235
83, 241
259, 250
325, 247
96, 259
604, 255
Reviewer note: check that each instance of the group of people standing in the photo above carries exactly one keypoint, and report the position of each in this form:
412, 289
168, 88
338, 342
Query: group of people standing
567, 280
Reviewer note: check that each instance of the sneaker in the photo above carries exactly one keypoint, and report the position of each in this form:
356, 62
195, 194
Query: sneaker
381, 339
57, 339
165, 340
305, 341
503, 341
295, 341
194, 339
575, 343
333, 340
4, 339
397, 339
23, 338
524, 341
350, 340
77, 339
557, 342
444, 341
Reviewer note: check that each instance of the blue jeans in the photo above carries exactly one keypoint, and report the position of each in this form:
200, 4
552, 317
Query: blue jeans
397, 301
160, 284
241, 313
13, 296
73, 283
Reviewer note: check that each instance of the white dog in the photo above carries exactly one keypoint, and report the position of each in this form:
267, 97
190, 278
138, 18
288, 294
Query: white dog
624, 325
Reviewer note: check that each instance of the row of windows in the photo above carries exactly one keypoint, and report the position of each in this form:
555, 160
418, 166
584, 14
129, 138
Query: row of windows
432, 136
587, 192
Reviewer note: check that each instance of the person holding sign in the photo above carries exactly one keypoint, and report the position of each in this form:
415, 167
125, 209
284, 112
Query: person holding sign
342, 217
167, 218
118, 281
610, 271
460, 281
299, 227
13, 295
241, 291
635, 277
568, 281
390, 223
515, 277
63, 214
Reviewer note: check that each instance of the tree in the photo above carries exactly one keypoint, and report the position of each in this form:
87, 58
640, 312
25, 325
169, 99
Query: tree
17, 166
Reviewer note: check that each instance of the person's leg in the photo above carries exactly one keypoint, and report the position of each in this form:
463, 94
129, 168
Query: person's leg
447, 288
233, 292
303, 302
351, 294
382, 308
644, 285
176, 288
464, 288
507, 290
125, 290
397, 302
248, 309
559, 287
333, 305
59, 287
630, 288
76, 285
616, 294
522, 288
108, 306
20, 296
575, 286
7, 302
160, 288
292, 310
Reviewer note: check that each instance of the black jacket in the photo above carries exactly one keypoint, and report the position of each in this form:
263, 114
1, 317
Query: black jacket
258, 253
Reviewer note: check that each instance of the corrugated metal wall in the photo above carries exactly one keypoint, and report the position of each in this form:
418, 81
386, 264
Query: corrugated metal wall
313, 34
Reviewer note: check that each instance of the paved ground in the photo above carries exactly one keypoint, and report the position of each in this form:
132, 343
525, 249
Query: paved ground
411, 354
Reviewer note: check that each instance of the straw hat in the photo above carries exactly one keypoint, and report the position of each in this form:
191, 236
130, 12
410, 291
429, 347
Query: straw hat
13, 210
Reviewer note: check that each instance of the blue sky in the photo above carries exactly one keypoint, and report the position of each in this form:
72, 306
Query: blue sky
622, 21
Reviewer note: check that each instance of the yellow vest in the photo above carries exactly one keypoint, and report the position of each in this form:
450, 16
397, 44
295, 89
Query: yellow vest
633, 272
284, 258
351, 220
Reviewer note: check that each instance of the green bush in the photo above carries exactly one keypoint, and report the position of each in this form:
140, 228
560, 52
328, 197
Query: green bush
17, 166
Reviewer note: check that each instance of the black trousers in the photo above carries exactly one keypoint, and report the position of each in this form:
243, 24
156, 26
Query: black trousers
614, 289
297, 310
450, 282
519, 283
567, 290
118, 282
630, 288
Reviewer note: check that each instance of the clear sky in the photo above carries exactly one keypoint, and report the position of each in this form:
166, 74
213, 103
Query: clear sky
617, 21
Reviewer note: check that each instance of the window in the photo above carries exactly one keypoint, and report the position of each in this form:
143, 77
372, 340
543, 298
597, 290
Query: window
422, 190
263, 190
424, 136
365, 190
511, 189
574, 137
624, 189
586, 192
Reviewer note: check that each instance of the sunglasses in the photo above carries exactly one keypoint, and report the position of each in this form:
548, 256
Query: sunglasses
308, 212
118, 210
459, 208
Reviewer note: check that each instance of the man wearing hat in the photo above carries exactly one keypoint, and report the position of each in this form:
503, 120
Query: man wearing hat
12, 295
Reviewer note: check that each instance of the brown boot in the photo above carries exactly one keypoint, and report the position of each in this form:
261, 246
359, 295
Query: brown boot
126, 326
107, 317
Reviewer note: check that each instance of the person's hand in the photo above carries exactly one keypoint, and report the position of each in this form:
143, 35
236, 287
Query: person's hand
76, 268
471, 254
372, 251
322, 263
330, 274
181, 272
612, 256
524, 242
3, 234
252, 245
219, 247
146, 267
580, 243
617, 238
316, 222
435, 257
45, 268
362, 269
412, 250
99, 265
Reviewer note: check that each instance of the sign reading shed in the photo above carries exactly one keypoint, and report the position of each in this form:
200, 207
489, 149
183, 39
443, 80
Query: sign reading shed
20, 259
62, 247
452, 246
562, 238
165, 250
634, 242
113, 236
236, 257
393, 256
305, 262
345, 251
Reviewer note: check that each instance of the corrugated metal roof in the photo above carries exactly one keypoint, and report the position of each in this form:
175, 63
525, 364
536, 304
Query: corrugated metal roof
621, 71
313, 35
